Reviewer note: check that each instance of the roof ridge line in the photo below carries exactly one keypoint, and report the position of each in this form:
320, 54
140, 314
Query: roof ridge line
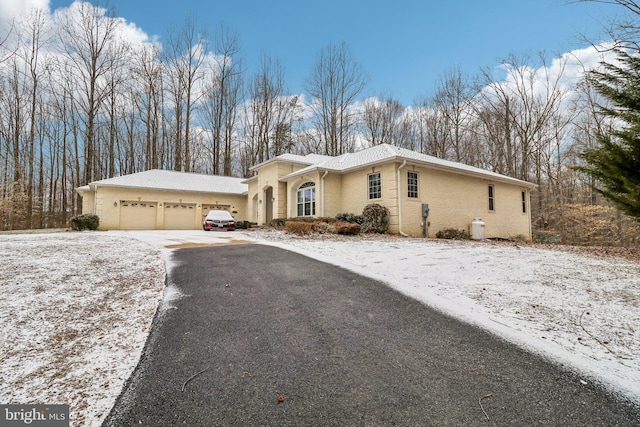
390, 150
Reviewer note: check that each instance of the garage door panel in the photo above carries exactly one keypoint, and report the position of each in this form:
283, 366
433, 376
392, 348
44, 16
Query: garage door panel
136, 215
179, 216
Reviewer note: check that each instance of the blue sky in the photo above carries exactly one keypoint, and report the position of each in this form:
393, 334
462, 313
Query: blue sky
404, 46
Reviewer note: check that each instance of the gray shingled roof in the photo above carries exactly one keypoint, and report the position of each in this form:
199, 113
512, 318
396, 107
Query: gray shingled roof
385, 152
176, 181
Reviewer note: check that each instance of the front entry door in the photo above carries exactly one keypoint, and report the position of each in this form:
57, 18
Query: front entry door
268, 205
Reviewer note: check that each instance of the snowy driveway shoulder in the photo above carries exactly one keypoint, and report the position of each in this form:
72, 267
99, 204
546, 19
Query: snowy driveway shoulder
173, 239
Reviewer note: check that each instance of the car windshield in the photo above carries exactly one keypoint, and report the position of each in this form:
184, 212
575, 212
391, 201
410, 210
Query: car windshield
219, 216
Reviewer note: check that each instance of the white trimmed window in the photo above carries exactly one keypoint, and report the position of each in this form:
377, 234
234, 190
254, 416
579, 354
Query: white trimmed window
375, 186
524, 202
307, 199
412, 184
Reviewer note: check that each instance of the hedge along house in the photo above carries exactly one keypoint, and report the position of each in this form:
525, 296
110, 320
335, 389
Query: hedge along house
404, 181
159, 199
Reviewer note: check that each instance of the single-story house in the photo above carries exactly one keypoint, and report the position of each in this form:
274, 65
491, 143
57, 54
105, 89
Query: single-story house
411, 185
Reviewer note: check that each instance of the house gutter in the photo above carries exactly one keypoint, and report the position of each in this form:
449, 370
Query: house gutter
404, 163
322, 190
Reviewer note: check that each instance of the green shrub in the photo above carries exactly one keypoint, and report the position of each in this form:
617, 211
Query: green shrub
348, 228
349, 217
375, 219
85, 222
299, 228
452, 233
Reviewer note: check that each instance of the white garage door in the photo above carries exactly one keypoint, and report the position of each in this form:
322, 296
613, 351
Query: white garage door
136, 215
179, 216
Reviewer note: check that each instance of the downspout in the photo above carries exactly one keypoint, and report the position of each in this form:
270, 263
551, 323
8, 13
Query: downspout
95, 201
404, 163
322, 190
528, 201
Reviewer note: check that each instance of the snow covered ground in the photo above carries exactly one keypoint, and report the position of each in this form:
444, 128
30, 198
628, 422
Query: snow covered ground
75, 313
76, 307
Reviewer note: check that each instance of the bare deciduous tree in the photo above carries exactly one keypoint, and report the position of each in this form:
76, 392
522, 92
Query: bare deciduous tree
336, 81
89, 36
36, 68
430, 130
149, 73
269, 114
222, 99
185, 57
525, 103
453, 98
383, 121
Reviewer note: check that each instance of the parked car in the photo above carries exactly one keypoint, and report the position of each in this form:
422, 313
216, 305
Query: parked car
219, 220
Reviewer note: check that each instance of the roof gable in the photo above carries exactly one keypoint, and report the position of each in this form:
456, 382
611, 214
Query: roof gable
309, 159
176, 181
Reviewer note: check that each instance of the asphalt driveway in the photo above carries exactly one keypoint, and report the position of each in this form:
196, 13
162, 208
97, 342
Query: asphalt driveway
267, 337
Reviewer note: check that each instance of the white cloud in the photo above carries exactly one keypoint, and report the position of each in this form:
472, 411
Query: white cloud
134, 34
125, 30
574, 64
10, 9
570, 67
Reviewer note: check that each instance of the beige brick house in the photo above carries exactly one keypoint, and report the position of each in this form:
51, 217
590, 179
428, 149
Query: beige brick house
290, 186
402, 180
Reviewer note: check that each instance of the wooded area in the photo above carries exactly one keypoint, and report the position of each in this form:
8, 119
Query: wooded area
80, 101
